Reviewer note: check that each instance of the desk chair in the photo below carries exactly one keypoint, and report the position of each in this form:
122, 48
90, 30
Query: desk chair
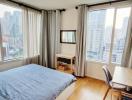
111, 85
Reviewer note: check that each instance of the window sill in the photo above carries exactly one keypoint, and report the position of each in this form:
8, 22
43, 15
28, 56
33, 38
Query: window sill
101, 62
11, 60
115, 63
95, 61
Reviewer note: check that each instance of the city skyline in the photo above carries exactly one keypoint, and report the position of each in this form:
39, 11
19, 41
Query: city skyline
12, 37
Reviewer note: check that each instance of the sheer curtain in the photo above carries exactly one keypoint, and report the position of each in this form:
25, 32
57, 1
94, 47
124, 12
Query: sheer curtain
81, 41
50, 38
31, 34
127, 54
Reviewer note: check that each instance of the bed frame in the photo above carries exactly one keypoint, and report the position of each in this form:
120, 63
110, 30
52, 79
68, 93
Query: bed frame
67, 92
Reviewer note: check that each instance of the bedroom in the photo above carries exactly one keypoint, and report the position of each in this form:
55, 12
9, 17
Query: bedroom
78, 41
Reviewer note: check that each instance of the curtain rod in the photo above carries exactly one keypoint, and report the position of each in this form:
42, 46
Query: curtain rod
110, 2
61, 10
31, 7
26, 5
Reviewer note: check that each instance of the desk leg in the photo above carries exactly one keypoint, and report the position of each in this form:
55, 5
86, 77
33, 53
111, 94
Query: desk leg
115, 94
128, 88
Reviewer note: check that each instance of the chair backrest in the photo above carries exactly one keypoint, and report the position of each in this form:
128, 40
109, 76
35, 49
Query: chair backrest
107, 74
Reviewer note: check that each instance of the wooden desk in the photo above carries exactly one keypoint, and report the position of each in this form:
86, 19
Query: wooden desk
123, 76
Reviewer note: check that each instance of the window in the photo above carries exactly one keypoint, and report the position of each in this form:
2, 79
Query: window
99, 33
11, 33
107, 30
120, 33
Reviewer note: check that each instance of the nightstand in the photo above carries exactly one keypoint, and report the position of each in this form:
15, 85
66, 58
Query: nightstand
65, 63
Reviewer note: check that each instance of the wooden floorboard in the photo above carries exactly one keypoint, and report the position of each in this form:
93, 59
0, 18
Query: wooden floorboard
89, 89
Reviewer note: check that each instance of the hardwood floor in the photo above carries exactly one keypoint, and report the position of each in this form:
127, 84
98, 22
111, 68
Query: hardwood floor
89, 89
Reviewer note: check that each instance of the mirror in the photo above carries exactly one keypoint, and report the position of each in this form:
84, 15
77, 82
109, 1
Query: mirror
68, 36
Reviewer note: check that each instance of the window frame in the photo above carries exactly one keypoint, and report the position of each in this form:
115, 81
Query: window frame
105, 7
1, 51
113, 31
61, 35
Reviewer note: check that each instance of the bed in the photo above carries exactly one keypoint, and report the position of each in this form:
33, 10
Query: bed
35, 82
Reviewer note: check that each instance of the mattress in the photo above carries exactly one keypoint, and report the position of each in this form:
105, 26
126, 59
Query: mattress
33, 82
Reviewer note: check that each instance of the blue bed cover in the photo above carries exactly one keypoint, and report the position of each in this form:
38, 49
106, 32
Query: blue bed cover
33, 82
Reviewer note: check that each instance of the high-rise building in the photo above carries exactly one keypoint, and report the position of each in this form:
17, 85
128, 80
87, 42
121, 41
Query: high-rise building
96, 28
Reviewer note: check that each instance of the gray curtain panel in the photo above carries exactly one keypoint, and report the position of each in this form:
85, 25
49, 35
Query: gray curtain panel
50, 38
58, 28
81, 41
43, 39
127, 54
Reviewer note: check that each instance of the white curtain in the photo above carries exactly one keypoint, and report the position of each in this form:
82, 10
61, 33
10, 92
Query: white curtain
50, 38
31, 34
81, 41
127, 54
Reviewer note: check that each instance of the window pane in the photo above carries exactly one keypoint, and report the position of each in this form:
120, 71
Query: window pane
0, 44
122, 17
12, 37
99, 34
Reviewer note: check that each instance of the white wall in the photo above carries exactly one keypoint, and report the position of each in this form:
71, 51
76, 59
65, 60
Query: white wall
69, 22
10, 65
94, 69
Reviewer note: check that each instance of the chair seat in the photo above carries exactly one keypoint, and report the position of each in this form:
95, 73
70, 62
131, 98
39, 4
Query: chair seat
117, 86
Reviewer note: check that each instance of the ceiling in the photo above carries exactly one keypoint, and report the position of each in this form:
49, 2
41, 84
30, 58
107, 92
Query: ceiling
58, 4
